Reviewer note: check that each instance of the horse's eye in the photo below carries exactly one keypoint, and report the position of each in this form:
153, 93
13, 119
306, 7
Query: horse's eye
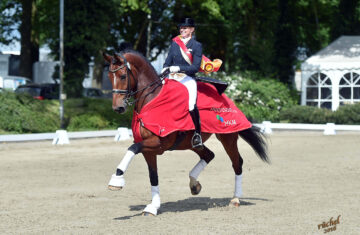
123, 76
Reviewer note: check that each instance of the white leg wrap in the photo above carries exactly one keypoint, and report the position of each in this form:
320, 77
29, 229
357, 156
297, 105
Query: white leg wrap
195, 172
238, 186
117, 181
155, 202
126, 161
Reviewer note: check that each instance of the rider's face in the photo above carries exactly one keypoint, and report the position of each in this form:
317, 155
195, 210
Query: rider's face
186, 32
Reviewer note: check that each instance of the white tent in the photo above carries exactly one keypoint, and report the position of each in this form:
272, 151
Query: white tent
332, 76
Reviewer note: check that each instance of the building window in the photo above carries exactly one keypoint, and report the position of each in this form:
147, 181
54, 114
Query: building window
349, 88
318, 91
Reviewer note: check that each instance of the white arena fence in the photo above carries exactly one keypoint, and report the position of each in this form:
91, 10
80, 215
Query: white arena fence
62, 137
328, 128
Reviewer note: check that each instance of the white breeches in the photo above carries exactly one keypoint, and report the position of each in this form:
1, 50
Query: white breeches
191, 86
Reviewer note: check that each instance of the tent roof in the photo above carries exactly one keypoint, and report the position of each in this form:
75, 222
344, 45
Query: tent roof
343, 53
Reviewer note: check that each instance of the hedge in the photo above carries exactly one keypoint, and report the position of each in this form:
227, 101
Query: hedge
347, 114
23, 114
95, 114
259, 99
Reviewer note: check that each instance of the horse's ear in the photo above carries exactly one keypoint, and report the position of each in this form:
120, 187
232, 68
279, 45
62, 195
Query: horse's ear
107, 57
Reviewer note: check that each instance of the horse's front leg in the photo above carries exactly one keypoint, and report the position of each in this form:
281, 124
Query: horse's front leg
151, 143
117, 180
154, 206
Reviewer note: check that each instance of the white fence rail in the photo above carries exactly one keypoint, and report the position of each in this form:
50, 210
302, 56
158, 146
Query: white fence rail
52, 136
328, 128
120, 134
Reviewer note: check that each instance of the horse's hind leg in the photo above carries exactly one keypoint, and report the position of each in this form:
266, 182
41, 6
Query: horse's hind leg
206, 155
229, 141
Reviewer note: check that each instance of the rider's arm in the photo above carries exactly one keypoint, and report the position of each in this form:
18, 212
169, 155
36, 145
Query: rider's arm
197, 56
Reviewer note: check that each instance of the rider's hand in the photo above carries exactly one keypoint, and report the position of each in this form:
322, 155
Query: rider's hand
164, 69
174, 69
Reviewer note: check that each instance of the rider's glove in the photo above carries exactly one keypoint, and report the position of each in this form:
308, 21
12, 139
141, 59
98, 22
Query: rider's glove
174, 69
164, 69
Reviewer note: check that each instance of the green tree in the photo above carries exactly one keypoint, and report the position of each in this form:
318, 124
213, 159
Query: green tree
29, 53
21, 15
86, 32
9, 21
346, 19
263, 37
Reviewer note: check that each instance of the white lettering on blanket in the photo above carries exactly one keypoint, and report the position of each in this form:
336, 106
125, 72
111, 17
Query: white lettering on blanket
223, 110
230, 122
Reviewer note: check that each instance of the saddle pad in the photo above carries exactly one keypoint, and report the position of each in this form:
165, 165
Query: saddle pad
169, 112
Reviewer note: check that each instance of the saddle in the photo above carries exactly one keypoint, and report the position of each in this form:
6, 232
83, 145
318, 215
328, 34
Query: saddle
219, 85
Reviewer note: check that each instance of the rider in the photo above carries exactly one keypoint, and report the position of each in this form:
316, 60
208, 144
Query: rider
183, 61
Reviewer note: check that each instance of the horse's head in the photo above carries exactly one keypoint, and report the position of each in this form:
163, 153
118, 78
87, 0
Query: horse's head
122, 79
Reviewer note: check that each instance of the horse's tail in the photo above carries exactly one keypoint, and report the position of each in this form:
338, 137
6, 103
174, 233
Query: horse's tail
256, 139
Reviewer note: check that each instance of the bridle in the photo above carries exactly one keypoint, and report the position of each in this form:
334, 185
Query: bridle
128, 92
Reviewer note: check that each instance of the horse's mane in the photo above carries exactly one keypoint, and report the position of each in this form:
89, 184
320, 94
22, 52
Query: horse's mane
130, 51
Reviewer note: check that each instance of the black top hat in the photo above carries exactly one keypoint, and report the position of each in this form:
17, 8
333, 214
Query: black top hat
187, 22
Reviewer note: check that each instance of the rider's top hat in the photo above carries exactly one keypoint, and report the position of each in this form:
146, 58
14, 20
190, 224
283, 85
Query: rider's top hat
187, 22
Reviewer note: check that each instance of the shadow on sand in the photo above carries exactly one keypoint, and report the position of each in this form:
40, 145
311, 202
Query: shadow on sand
192, 204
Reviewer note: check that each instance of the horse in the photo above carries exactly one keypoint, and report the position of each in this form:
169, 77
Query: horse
135, 81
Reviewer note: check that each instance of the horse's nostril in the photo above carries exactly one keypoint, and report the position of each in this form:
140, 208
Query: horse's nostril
120, 109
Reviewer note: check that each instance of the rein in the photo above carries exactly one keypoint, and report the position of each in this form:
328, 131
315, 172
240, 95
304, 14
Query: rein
128, 92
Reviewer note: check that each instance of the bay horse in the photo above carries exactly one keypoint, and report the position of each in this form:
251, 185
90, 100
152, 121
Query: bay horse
132, 76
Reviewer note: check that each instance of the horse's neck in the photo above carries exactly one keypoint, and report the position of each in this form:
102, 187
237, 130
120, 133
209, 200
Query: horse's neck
149, 93
148, 84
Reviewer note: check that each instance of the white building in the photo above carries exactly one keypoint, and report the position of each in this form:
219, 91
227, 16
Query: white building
331, 77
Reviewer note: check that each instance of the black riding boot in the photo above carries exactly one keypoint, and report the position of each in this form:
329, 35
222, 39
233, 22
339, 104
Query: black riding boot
196, 140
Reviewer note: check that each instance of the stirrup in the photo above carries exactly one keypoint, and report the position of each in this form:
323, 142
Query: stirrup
197, 145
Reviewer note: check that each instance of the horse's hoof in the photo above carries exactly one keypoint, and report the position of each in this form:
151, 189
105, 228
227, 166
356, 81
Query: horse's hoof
195, 189
147, 214
114, 188
150, 210
235, 202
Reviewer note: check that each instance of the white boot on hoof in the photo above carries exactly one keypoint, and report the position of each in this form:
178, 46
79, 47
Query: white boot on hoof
150, 209
116, 182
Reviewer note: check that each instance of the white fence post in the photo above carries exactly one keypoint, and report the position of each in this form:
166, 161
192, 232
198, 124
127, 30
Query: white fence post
122, 134
266, 128
329, 129
61, 137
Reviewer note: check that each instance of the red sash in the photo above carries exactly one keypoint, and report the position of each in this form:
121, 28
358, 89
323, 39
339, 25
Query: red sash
181, 44
206, 66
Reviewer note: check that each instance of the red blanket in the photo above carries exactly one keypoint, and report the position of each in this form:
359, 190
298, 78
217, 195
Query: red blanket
169, 112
